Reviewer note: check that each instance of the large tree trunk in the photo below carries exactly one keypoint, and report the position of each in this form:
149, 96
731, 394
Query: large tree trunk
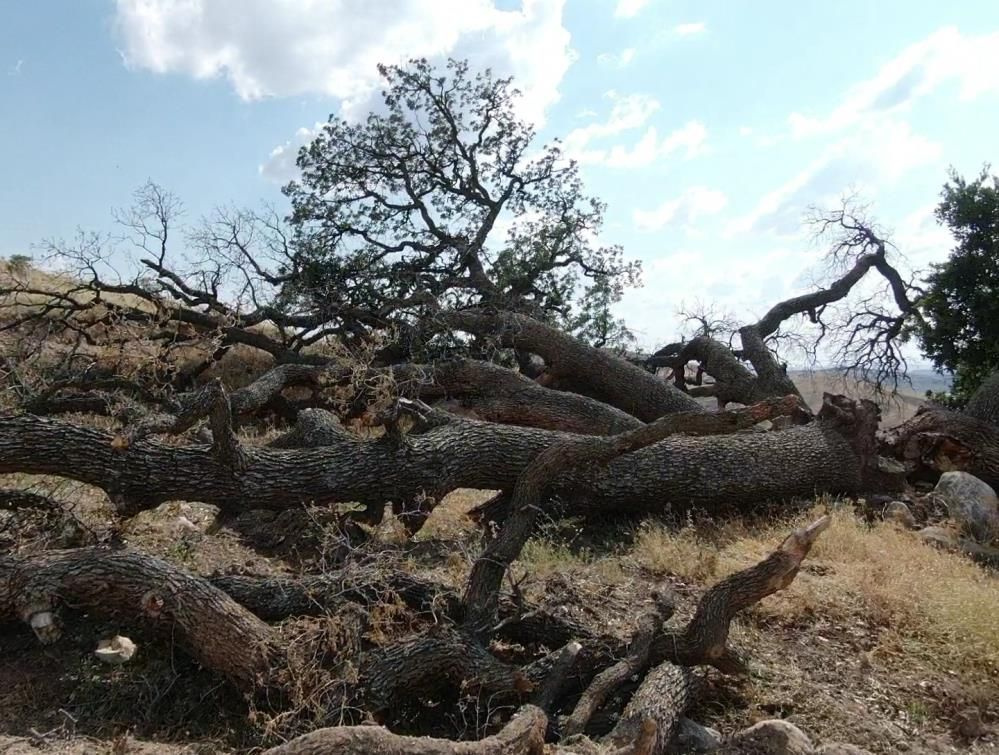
984, 402
573, 365
833, 454
937, 440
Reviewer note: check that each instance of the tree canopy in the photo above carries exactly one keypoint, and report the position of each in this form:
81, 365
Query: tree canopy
441, 198
961, 304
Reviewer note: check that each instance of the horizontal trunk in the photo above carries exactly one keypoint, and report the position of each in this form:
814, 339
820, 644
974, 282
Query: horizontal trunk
938, 440
578, 367
829, 455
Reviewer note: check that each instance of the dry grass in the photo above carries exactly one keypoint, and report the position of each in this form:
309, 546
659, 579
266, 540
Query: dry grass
684, 553
939, 605
882, 640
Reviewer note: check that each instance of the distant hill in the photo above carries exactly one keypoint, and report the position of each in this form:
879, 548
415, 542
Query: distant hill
813, 384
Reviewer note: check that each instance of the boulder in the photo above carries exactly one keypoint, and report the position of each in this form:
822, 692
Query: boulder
773, 737
971, 503
692, 737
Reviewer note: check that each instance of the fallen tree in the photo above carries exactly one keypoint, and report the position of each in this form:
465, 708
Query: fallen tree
835, 453
225, 636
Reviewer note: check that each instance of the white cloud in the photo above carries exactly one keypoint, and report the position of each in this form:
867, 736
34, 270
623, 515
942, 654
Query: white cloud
630, 113
15, 70
331, 47
618, 60
280, 167
689, 30
629, 8
873, 157
689, 139
944, 56
696, 202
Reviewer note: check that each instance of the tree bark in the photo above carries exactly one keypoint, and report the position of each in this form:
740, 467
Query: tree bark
575, 366
832, 455
496, 394
937, 440
523, 735
217, 631
984, 402
652, 715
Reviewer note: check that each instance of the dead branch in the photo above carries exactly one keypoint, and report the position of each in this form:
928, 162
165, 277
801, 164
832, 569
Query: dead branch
572, 365
539, 477
523, 735
217, 631
607, 681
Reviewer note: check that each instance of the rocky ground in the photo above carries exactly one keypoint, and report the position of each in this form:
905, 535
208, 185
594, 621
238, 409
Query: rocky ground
887, 640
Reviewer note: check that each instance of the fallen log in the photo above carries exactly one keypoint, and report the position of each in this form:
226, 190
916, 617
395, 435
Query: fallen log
226, 637
936, 440
573, 365
833, 454
523, 735
217, 631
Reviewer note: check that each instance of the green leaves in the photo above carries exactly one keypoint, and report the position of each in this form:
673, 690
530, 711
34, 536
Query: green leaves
961, 305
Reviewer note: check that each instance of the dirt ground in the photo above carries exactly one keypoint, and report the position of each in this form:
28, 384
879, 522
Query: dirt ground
882, 641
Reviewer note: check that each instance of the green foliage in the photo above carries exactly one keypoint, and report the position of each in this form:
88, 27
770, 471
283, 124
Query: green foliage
960, 332
440, 198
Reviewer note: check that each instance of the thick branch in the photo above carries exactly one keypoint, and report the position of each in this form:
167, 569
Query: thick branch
540, 476
523, 735
218, 632
574, 365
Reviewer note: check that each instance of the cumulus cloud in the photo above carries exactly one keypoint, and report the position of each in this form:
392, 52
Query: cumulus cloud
689, 30
943, 57
689, 140
873, 157
630, 113
696, 202
629, 8
280, 167
331, 48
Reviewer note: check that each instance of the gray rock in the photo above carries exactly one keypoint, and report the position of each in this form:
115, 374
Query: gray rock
774, 737
941, 537
971, 503
898, 512
692, 737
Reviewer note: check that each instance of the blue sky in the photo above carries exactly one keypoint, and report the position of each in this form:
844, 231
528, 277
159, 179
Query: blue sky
709, 128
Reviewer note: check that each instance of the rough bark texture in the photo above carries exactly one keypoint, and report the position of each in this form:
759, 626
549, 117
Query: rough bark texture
652, 715
218, 632
607, 681
432, 662
495, 394
529, 497
704, 641
576, 366
984, 402
277, 598
523, 735
827, 455
938, 440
